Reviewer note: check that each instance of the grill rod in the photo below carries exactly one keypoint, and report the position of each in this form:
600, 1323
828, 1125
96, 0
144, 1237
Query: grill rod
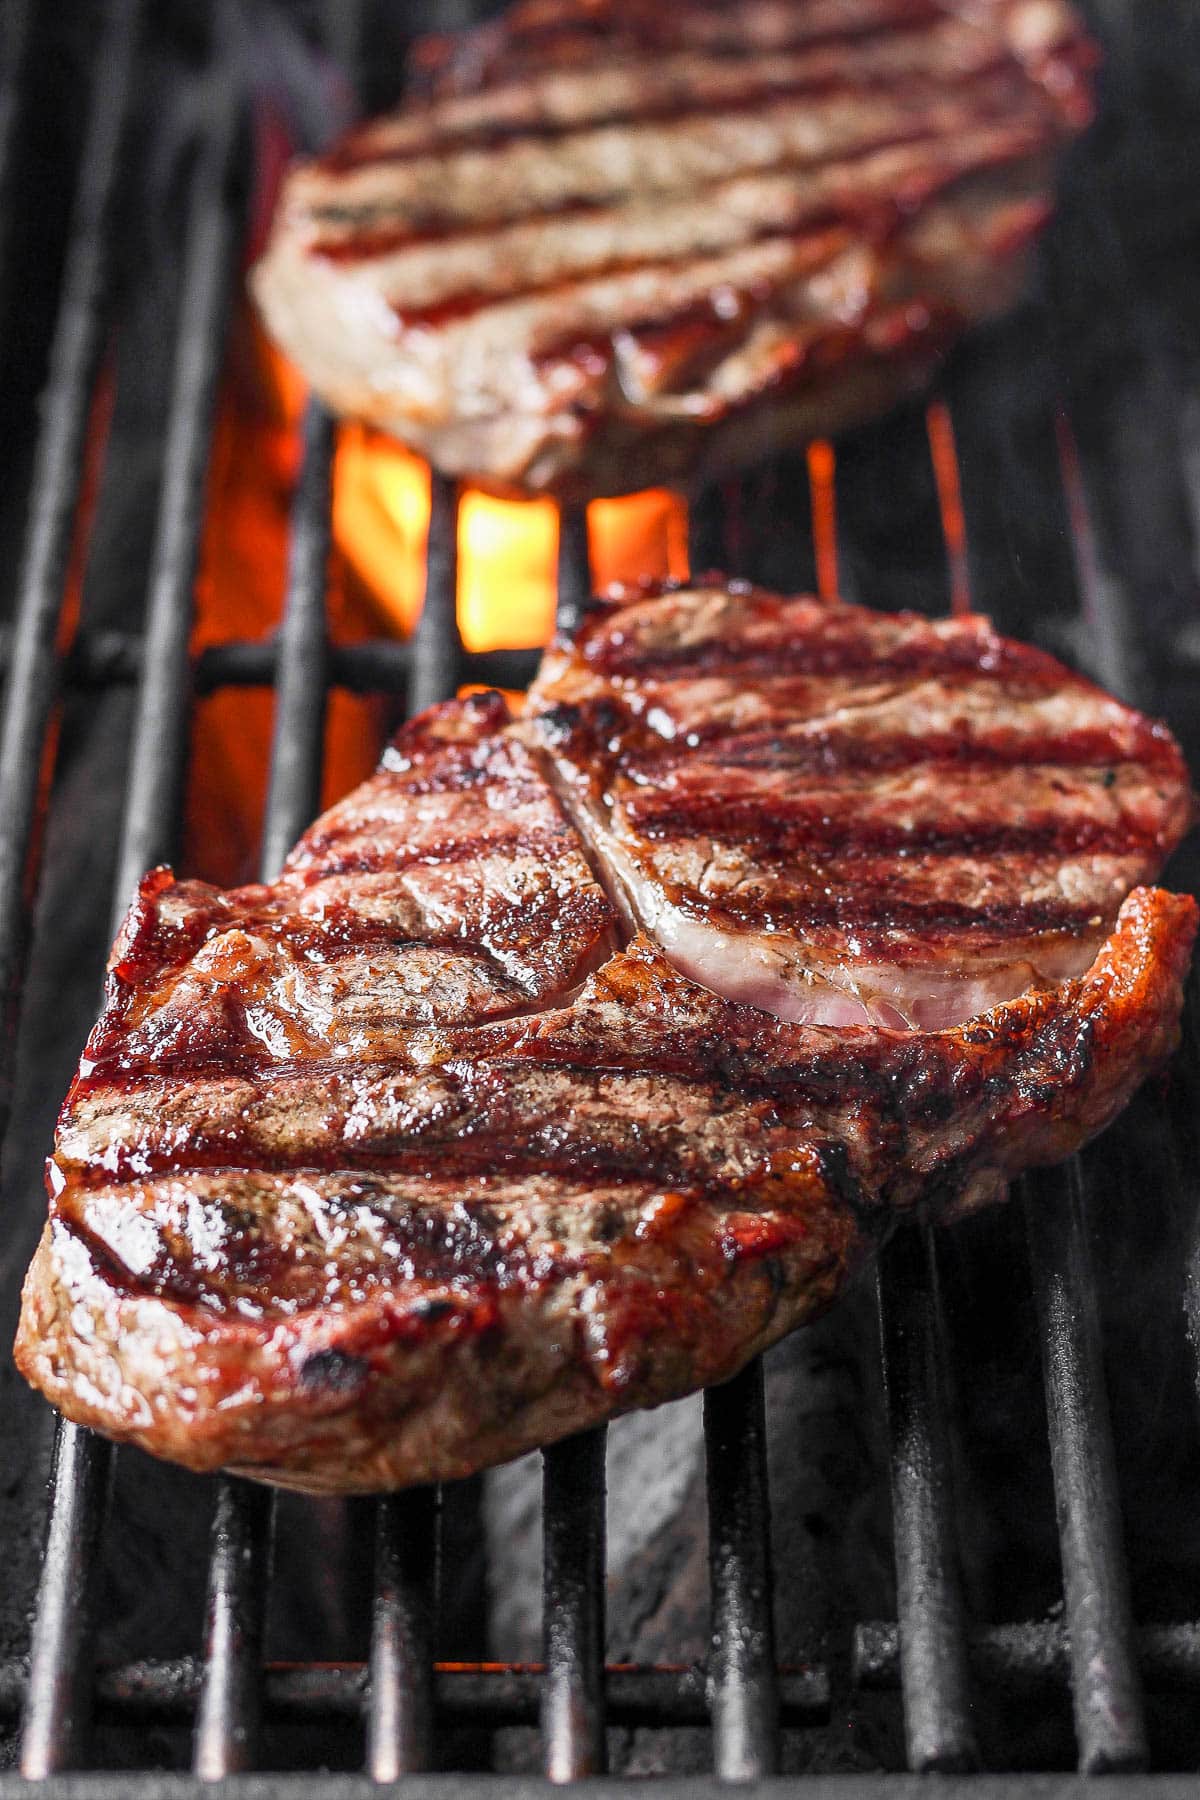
742, 1678
105, 659
400, 1736
1109, 1723
229, 1718
1109, 1717
57, 473
573, 1480
16, 27
496, 1695
56, 1716
742, 1681
933, 1656
400, 1693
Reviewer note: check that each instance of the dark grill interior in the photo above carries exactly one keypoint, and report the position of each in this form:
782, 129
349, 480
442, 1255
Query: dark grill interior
1037, 1411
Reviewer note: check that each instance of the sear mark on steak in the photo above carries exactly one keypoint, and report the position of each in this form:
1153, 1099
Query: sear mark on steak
614, 245
422, 1155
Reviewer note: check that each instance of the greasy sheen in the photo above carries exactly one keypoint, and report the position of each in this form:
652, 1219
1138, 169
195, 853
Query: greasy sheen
610, 243
422, 1155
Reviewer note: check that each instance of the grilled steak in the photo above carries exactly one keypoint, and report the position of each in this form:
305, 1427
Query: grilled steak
850, 817
428, 1153
619, 243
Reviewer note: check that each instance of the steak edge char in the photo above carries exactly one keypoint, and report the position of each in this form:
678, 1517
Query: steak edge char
421, 1156
615, 244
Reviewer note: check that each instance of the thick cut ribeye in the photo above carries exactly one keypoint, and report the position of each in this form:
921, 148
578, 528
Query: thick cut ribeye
428, 1152
617, 243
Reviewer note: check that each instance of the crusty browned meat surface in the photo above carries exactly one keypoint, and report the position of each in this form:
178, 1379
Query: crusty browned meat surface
617, 242
845, 816
424, 1155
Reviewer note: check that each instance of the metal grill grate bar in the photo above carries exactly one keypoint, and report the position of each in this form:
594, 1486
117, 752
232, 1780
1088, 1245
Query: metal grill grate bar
104, 659
933, 1656
58, 467
437, 648
499, 1695
1109, 1722
58, 1704
294, 790
55, 1726
706, 533
400, 1736
574, 567
160, 733
742, 1681
15, 33
1034, 1657
227, 1726
229, 1713
573, 1508
400, 1702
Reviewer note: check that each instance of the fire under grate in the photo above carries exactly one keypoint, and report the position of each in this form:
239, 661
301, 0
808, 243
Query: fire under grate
796, 524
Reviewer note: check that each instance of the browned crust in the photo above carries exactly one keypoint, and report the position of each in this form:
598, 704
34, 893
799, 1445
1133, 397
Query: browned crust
427, 1379
549, 334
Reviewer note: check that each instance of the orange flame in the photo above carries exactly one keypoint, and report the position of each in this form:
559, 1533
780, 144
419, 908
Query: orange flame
822, 464
507, 549
949, 491
507, 577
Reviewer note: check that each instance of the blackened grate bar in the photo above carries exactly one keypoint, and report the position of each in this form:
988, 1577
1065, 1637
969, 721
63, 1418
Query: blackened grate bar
436, 646
229, 1714
495, 1695
574, 1523
742, 1679
15, 31
58, 1703
160, 732
574, 567
99, 660
58, 466
573, 1507
294, 791
933, 1658
59, 1697
1033, 1657
1107, 1692
227, 1727
400, 1695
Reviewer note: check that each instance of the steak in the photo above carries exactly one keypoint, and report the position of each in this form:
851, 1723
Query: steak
451, 1141
609, 243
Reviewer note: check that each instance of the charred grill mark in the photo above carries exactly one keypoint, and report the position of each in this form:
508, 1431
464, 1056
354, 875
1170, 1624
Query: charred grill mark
773, 827
452, 1246
478, 1151
817, 243
837, 648
363, 854
551, 32
874, 914
828, 751
684, 107
823, 225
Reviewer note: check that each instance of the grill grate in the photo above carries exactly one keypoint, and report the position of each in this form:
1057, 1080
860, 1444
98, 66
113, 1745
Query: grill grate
400, 1694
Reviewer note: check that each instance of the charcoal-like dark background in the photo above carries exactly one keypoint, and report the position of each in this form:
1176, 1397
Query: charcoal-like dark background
1112, 333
